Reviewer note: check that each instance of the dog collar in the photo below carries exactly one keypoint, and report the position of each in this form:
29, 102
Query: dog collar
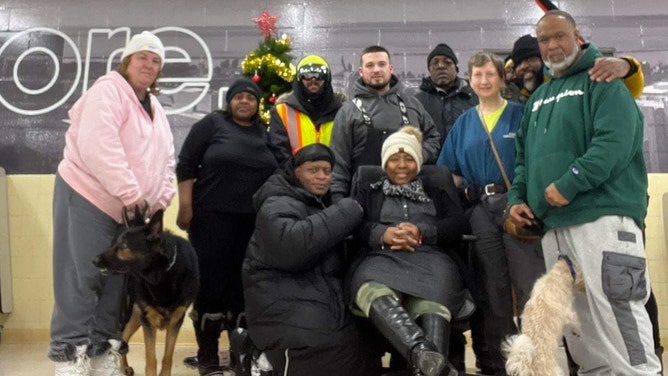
173, 260
568, 262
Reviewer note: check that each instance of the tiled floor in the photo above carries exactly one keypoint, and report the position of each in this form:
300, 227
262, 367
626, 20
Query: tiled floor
31, 360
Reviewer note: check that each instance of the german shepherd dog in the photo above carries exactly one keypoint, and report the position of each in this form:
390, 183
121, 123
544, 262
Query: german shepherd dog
163, 278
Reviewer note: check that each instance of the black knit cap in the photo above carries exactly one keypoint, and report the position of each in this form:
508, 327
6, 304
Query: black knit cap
524, 48
312, 153
442, 49
239, 86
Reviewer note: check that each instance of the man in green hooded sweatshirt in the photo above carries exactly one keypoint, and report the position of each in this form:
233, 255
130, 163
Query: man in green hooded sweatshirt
580, 168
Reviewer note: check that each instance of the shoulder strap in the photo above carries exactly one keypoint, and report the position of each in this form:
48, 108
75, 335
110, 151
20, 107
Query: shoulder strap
404, 112
496, 152
358, 102
367, 119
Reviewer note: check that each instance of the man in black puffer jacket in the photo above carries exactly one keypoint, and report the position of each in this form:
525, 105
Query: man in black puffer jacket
444, 95
293, 273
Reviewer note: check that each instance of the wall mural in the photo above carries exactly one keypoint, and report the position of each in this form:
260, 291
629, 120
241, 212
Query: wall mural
44, 70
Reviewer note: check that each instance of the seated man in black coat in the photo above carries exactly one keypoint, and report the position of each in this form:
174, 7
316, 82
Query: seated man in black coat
293, 272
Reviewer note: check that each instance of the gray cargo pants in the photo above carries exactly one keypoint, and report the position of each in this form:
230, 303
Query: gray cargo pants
614, 335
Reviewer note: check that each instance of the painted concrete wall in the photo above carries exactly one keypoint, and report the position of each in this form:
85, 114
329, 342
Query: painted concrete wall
30, 199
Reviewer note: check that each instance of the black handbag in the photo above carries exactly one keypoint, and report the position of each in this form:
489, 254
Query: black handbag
524, 233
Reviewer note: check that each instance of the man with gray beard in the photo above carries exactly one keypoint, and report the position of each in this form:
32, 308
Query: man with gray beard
529, 67
592, 199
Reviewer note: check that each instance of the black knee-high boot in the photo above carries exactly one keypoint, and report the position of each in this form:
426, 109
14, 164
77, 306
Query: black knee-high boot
393, 322
437, 330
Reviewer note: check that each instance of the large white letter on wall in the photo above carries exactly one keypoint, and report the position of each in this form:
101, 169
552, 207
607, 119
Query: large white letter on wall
40, 107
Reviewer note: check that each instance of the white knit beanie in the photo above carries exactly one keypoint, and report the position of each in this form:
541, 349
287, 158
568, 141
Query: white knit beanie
407, 139
146, 41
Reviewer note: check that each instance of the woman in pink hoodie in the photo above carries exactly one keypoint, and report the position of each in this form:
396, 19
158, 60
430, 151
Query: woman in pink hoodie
119, 153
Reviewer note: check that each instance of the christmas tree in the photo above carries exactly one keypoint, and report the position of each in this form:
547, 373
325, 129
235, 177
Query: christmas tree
270, 65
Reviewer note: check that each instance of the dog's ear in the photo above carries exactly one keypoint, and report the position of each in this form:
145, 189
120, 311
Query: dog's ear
139, 216
136, 219
155, 225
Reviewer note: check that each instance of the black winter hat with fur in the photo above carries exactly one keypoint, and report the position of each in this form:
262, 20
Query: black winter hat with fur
525, 47
442, 49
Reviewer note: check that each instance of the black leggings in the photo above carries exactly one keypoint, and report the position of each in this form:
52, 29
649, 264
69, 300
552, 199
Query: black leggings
220, 240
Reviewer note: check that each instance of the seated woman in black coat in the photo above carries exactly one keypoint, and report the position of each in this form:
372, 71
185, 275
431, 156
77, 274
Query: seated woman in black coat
404, 274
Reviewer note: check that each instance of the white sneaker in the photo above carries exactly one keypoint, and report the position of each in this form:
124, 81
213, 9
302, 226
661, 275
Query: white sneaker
107, 364
77, 367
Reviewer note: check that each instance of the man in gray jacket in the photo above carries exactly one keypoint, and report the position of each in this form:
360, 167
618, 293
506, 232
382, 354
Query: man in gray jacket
378, 108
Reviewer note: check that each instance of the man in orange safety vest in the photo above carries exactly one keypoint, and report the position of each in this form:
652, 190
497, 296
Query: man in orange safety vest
306, 114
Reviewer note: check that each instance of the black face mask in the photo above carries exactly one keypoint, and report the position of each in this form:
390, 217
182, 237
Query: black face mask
305, 93
314, 103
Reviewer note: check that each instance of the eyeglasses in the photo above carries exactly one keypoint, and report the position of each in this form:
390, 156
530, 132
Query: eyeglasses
311, 75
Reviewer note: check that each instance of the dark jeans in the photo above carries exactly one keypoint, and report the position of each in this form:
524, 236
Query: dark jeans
504, 264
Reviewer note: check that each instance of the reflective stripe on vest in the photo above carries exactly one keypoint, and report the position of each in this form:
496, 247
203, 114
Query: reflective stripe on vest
301, 130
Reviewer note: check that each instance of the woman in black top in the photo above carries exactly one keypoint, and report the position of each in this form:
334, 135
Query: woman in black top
404, 276
224, 160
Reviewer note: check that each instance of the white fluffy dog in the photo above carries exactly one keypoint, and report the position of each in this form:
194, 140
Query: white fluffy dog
534, 351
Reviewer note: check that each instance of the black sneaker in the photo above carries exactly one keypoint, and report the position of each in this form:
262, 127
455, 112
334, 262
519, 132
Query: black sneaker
191, 362
211, 370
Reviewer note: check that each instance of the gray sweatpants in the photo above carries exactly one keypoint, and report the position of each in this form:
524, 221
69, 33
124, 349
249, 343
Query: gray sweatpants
87, 304
614, 335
